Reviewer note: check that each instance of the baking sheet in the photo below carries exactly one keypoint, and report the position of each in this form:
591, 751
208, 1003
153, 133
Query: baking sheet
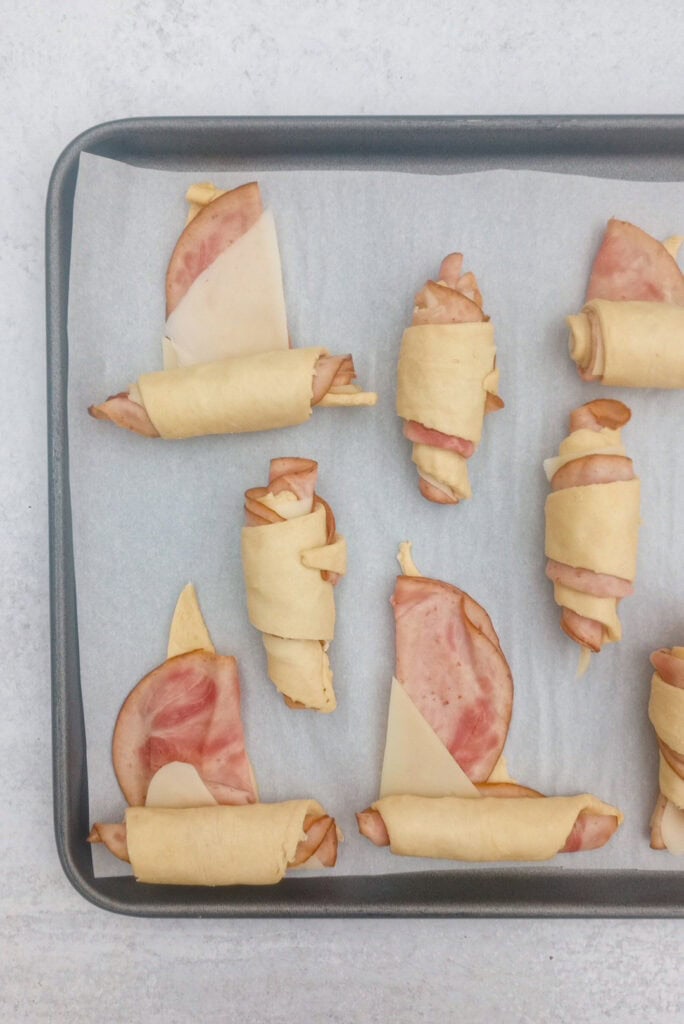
148, 516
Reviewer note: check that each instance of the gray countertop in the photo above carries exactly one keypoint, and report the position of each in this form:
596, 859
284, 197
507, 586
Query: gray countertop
61, 959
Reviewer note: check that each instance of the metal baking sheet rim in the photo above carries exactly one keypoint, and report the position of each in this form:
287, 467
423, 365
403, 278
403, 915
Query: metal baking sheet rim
648, 147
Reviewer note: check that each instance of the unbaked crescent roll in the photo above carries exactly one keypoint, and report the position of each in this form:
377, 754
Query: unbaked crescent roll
292, 557
666, 712
592, 524
489, 828
249, 845
228, 364
630, 333
447, 381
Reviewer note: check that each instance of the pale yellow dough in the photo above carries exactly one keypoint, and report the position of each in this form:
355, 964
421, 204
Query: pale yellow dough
222, 845
445, 371
487, 829
643, 342
601, 609
595, 527
300, 670
666, 712
579, 443
264, 391
445, 469
284, 596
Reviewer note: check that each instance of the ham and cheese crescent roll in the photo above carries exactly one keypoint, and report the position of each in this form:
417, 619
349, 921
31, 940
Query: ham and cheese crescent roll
228, 364
630, 333
293, 557
445, 792
489, 828
180, 758
666, 712
249, 845
592, 524
447, 381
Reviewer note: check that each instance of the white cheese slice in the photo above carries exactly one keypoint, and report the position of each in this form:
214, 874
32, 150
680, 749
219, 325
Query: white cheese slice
672, 828
237, 306
416, 762
178, 784
188, 629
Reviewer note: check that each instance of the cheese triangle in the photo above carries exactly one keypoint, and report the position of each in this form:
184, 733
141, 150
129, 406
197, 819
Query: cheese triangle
178, 784
188, 629
416, 762
236, 306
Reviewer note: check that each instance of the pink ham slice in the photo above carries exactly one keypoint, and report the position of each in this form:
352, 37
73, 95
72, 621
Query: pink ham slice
210, 233
454, 299
318, 848
671, 670
632, 266
122, 411
186, 710
451, 666
591, 469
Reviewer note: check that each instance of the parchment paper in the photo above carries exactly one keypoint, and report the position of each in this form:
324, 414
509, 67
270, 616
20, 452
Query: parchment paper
151, 515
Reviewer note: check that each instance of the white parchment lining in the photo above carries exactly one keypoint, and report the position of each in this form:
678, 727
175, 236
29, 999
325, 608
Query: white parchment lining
151, 515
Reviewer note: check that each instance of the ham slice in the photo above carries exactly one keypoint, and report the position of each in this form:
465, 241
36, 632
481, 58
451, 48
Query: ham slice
214, 229
453, 299
317, 848
451, 665
632, 266
186, 710
589, 470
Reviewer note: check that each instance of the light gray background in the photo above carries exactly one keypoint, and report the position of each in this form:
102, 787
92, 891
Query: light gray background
64, 67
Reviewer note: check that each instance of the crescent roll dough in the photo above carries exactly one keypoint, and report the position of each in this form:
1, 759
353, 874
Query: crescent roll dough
630, 344
486, 829
221, 845
292, 556
263, 391
666, 712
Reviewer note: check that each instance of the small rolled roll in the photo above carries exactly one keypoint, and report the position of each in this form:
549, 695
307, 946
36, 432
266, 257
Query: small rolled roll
489, 828
630, 333
221, 845
292, 557
447, 381
592, 524
259, 391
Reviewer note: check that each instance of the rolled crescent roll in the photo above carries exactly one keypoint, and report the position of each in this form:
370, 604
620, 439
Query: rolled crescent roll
249, 845
447, 381
489, 828
228, 364
666, 712
292, 557
630, 333
445, 792
592, 524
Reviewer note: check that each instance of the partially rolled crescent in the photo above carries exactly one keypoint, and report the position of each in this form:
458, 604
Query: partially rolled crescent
447, 381
221, 845
292, 557
666, 712
631, 331
592, 524
491, 828
260, 391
